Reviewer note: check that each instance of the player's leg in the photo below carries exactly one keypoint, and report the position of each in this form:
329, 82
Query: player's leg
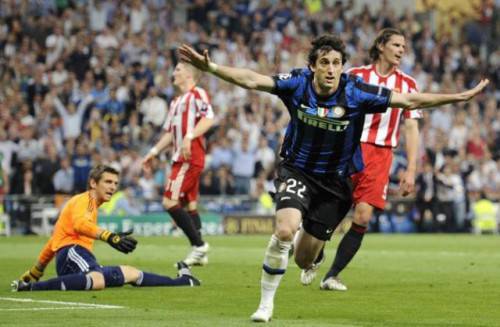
292, 200
120, 275
370, 191
198, 256
276, 260
309, 255
180, 181
77, 270
349, 245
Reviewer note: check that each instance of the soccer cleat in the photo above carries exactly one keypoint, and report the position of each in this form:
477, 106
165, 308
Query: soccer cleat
263, 314
307, 276
20, 286
198, 256
332, 284
184, 271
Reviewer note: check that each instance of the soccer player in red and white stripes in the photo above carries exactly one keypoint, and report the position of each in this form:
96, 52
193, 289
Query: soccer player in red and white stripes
190, 116
380, 136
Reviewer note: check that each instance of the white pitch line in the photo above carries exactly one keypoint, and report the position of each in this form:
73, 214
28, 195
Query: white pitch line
51, 308
79, 304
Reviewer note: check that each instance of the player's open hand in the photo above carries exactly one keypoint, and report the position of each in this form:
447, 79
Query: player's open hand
192, 57
122, 242
467, 95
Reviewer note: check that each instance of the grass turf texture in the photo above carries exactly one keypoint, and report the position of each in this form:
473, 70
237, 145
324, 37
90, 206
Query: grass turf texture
396, 280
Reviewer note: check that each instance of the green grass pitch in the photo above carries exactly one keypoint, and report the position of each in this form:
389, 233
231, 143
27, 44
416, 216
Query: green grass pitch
396, 280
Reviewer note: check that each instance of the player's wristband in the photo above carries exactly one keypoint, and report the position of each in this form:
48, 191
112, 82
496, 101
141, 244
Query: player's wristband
212, 67
154, 151
105, 235
189, 136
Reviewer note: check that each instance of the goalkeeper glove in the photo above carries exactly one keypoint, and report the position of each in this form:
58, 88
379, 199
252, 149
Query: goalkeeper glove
123, 242
32, 275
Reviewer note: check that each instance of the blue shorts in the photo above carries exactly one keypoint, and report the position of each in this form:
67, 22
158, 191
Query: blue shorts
75, 259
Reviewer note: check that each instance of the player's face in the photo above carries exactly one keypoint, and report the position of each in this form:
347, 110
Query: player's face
327, 70
181, 73
106, 187
392, 52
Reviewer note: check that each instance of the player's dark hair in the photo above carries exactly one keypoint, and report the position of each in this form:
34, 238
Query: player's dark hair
99, 170
382, 38
326, 43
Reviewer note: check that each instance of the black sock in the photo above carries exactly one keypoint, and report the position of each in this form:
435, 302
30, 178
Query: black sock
196, 220
149, 279
350, 244
73, 282
185, 222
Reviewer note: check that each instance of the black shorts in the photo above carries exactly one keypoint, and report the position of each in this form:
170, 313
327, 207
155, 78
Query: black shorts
323, 200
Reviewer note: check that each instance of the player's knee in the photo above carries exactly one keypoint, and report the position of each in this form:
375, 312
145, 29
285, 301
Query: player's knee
363, 214
98, 282
284, 233
169, 203
130, 274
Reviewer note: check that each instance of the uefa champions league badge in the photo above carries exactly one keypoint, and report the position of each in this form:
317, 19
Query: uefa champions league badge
322, 112
338, 112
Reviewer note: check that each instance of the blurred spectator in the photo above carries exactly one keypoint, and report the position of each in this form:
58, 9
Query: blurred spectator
127, 205
81, 164
243, 165
64, 178
123, 52
44, 168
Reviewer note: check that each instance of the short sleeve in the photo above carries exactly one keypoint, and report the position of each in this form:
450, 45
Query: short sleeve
203, 106
372, 98
287, 83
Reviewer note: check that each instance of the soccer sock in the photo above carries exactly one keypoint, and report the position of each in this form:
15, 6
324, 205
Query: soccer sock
196, 220
149, 279
73, 282
350, 244
184, 221
273, 269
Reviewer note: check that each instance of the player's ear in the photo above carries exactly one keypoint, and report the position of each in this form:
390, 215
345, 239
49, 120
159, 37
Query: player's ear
92, 183
312, 67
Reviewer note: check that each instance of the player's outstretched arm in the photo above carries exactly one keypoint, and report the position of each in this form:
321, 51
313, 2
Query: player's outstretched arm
243, 77
426, 100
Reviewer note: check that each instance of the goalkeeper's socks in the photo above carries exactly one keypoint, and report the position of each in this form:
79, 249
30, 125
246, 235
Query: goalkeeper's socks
73, 282
149, 279
348, 247
185, 222
273, 269
196, 220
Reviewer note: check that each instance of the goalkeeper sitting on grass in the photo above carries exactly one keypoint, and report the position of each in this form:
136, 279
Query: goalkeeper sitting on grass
72, 242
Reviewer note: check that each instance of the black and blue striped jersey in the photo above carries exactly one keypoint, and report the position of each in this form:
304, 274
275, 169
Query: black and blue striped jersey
324, 132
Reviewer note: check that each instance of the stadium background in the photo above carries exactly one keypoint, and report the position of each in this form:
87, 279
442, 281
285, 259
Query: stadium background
89, 81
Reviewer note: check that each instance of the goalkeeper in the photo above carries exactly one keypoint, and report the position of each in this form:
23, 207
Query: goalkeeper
72, 241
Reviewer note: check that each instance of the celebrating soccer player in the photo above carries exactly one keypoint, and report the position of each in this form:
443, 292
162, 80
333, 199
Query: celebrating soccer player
72, 242
189, 117
380, 135
320, 150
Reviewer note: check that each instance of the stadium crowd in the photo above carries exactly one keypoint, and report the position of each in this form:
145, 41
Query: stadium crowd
83, 82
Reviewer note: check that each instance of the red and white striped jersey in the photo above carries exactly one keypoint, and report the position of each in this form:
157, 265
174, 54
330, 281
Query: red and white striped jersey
383, 128
184, 113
